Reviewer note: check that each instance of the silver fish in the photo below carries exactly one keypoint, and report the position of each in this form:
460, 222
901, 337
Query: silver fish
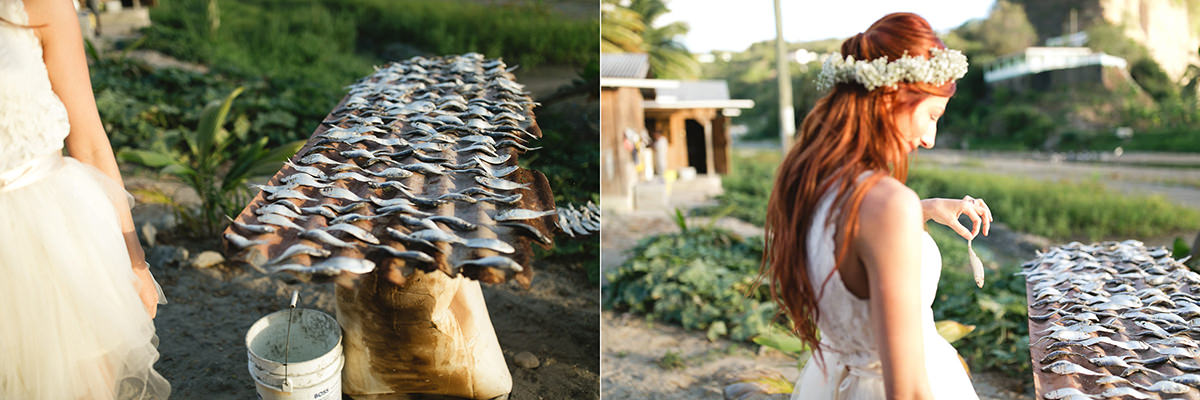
252, 228
357, 153
1124, 391
340, 193
455, 223
514, 214
297, 249
401, 236
319, 210
481, 148
325, 237
278, 220
500, 262
303, 179
1192, 380
318, 159
393, 173
500, 184
425, 168
351, 175
390, 202
527, 230
494, 160
288, 194
1167, 387
357, 232
330, 267
1064, 367
311, 171
242, 242
273, 189
504, 200
408, 255
1066, 393
976, 265
490, 244
276, 208
351, 218
436, 235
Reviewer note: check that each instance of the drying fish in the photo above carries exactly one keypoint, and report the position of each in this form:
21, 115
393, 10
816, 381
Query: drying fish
455, 223
252, 228
319, 210
425, 168
521, 214
325, 237
401, 236
303, 179
393, 173
242, 242
357, 153
500, 184
1124, 392
351, 218
277, 208
527, 230
330, 267
1192, 380
499, 262
1065, 335
1111, 379
311, 171
481, 148
407, 255
436, 235
496, 245
278, 220
288, 194
1059, 355
357, 232
351, 175
457, 197
411, 221
340, 193
1167, 387
298, 249
1064, 367
318, 159
1109, 361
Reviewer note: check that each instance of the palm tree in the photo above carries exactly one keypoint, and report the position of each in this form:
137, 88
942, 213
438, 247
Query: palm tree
621, 29
668, 58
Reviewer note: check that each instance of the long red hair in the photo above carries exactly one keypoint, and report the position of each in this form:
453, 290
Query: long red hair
848, 131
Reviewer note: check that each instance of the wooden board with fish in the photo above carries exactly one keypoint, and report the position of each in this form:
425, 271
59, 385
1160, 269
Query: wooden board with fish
1111, 319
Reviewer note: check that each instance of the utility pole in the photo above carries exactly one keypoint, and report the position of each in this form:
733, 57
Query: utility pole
787, 118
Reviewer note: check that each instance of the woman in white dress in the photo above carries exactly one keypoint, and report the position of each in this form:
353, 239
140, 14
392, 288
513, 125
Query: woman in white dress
76, 298
868, 288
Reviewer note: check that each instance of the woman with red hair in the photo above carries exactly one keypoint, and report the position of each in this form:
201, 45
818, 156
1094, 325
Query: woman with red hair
846, 253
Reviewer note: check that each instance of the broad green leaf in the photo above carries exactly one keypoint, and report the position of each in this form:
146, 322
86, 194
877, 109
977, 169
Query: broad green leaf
211, 120
182, 171
152, 159
952, 330
782, 341
273, 160
716, 330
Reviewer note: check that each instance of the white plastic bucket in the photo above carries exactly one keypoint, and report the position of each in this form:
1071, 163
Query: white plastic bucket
314, 362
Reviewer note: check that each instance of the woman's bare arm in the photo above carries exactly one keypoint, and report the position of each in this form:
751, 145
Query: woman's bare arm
62, 51
889, 245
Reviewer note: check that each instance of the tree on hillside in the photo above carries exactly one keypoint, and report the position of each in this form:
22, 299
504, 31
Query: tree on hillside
668, 57
621, 29
1005, 31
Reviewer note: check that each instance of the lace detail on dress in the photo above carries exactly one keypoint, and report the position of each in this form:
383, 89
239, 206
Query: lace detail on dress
33, 121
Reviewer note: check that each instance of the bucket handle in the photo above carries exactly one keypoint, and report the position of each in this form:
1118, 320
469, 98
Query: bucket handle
287, 347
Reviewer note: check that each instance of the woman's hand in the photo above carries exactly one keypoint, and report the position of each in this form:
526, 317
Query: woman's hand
947, 211
145, 288
144, 285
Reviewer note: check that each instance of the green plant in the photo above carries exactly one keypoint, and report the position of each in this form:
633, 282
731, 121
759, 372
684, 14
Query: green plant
700, 279
217, 163
670, 360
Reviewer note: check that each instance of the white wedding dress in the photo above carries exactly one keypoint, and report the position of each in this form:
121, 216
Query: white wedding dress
71, 323
852, 367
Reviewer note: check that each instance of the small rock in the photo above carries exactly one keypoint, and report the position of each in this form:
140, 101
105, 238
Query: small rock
164, 255
207, 259
149, 234
526, 360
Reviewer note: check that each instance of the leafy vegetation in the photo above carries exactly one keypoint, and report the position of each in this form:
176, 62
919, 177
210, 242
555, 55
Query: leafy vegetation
217, 164
700, 278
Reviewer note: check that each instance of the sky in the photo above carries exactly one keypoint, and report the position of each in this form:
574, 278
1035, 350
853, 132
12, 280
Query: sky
734, 25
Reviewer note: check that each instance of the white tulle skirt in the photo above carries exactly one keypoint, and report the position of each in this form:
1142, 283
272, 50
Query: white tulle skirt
71, 323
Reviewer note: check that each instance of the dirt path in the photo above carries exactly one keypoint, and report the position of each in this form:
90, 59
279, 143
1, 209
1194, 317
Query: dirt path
632, 346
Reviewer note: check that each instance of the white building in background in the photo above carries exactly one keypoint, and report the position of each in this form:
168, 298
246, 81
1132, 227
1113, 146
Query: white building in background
1042, 68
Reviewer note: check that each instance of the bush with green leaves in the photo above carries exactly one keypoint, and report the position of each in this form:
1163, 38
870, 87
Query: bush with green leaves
217, 163
700, 278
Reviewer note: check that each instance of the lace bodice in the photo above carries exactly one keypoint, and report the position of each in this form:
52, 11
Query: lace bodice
845, 320
33, 121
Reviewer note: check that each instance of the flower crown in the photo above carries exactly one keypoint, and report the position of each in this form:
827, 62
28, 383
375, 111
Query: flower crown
943, 65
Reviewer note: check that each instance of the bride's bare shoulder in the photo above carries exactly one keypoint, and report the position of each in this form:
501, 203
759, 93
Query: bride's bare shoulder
888, 199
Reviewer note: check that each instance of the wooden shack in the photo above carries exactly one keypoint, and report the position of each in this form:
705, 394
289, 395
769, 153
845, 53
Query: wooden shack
636, 111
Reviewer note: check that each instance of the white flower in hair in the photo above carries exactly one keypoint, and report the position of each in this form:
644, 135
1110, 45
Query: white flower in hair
943, 65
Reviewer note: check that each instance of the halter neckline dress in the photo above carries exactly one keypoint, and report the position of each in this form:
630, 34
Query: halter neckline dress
852, 369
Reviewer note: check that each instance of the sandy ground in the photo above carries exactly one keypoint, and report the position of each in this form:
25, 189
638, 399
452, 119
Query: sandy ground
202, 330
